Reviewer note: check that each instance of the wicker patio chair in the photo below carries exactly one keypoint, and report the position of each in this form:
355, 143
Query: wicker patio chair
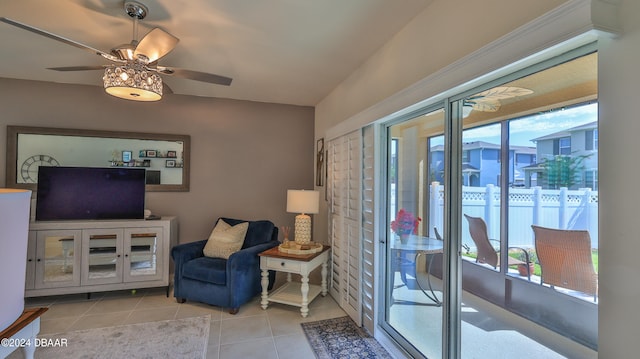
486, 252
565, 259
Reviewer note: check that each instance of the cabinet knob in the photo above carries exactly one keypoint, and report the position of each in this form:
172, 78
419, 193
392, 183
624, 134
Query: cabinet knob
282, 264
29, 260
38, 260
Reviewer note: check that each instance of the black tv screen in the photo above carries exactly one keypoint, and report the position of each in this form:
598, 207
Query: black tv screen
66, 193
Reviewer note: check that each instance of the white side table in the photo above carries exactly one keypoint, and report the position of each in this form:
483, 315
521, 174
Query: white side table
292, 293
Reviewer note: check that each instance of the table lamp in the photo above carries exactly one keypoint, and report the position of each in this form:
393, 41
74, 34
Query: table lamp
303, 202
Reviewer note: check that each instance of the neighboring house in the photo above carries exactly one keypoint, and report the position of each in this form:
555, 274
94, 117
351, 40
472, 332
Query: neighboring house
576, 141
481, 163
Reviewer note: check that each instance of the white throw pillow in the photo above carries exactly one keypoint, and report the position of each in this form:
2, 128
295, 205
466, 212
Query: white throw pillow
225, 239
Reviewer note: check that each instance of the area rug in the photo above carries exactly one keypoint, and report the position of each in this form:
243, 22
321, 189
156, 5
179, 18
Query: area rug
341, 338
181, 338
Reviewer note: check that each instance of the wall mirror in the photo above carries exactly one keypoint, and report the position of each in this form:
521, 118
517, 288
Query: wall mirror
165, 157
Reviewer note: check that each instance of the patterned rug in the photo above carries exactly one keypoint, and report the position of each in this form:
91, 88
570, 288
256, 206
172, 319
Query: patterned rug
181, 338
341, 338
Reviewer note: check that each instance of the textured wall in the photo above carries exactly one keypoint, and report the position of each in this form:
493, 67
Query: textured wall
446, 31
244, 155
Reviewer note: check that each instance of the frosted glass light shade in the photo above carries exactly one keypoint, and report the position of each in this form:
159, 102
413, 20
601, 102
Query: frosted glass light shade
14, 221
301, 201
131, 81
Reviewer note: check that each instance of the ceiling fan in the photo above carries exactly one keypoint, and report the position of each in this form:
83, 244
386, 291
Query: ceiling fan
489, 100
134, 74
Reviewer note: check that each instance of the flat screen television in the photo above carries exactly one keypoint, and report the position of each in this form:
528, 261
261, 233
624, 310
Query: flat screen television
76, 193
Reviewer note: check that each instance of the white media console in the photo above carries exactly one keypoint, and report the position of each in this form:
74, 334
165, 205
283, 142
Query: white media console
65, 257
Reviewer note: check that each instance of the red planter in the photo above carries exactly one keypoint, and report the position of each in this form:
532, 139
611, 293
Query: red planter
522, 269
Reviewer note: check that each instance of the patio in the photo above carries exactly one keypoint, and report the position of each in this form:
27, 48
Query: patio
488, 331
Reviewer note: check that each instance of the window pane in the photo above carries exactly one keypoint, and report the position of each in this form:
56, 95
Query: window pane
414, 254
563, 198
547, 177
481, 195
565, 146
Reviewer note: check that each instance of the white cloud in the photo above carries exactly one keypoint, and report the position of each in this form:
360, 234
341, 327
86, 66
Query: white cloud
522, 131
550, 122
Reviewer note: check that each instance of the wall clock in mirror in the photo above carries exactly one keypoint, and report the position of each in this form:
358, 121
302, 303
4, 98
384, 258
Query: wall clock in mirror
29, 168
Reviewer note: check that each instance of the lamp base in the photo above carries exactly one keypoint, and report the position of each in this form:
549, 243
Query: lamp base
302, 231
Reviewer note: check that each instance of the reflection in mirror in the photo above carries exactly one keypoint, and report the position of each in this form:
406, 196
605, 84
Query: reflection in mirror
165, 157
59, 258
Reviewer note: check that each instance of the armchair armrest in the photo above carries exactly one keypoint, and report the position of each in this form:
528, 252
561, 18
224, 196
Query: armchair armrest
248, 256
188, 251
181, 254
244, 274
526, 254
526, 262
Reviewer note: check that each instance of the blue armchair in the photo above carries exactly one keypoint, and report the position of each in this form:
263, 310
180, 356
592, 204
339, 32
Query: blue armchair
228, 283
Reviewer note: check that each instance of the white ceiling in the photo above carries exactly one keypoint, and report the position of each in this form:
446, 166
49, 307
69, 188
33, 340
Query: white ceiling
281, 51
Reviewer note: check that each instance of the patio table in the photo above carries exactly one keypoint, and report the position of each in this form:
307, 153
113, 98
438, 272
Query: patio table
421, 246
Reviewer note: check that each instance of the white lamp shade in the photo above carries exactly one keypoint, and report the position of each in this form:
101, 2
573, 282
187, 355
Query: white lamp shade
301, 201
14, 221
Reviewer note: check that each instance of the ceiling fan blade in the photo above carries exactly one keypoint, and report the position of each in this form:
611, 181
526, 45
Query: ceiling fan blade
504, 92
35, 30
166, 90
76, 68
195, 75
486, 105
155, 45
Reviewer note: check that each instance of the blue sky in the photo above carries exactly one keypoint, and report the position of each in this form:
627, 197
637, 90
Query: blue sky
523, 130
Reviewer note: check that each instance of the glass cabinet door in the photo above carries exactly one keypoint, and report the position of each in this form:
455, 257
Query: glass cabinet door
58, 259
102, 256
143, 254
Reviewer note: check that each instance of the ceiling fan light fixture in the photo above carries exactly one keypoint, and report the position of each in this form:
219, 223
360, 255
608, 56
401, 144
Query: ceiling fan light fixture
132, 81
138, 76
466, 110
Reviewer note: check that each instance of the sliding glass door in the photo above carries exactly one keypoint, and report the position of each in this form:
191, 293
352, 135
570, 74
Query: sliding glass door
529, 160
414, 244
467, 189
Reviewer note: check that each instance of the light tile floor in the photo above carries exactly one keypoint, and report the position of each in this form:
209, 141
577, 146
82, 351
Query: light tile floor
273, 333
252, 333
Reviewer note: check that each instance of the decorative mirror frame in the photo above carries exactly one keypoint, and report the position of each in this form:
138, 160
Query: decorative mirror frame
12, 152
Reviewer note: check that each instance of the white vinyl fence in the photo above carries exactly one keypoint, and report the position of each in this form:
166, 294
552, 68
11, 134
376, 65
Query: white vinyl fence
562, 209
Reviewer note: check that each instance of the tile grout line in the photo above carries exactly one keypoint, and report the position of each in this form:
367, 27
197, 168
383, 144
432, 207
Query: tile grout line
220, 337
273, 339
132, 308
